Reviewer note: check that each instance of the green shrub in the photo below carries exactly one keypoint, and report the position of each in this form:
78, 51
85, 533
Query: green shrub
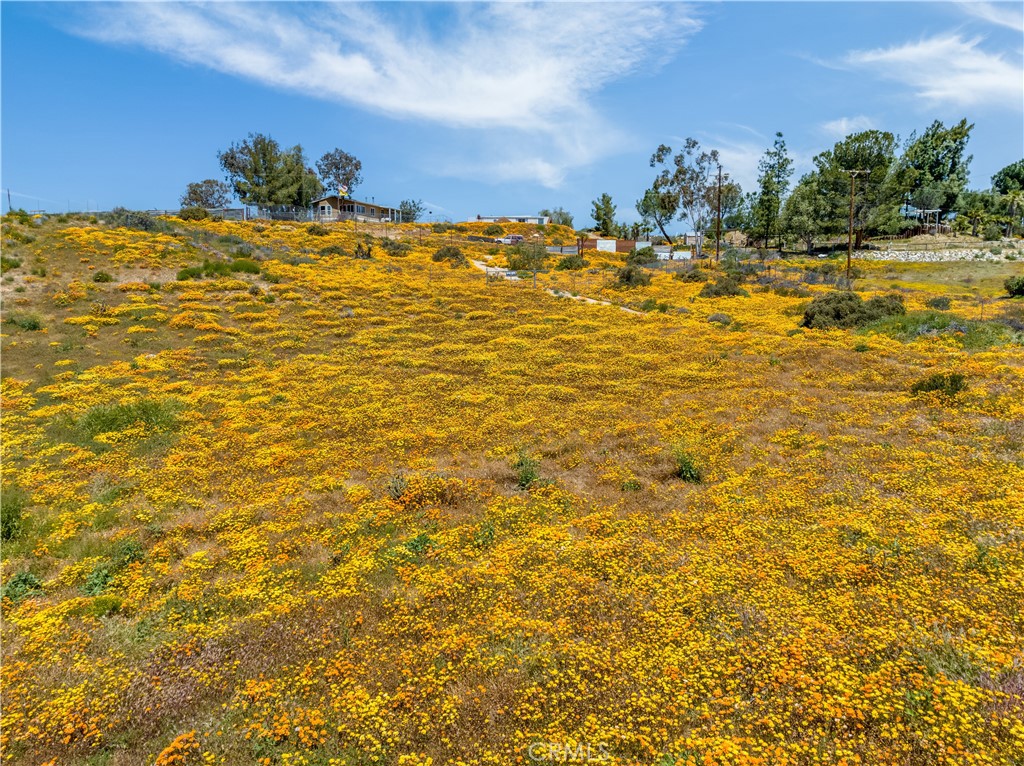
363, 251
14, 235
790, 291
632, 275
526, 256
939, 303
719, 318
13, 501
128, 552
7, 263
244, 265
572, 262
21, 586
393, 247
642, 256
30, 322
840, 309
631, 485
97, 581
484, 536
494, 230
396, 486
1015, 286
419, 544
193, 213
133, 219
318, 230
691, 275
526, 469
450, 253
333, 250
652, 304
102, 606
102, 276
20, 215
157, 414
992, 232
211, 269
441, 227
724, 287
216, 268
233, 239
686, 465
844, 309
972, 335
946, 385
882, 306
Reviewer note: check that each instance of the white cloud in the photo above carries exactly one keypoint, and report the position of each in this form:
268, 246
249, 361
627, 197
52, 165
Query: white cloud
1009, 15
527, 69
844, 126
739, 159
947, 69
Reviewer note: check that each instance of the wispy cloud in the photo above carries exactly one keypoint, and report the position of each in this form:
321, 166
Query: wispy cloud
844, 126
947, 69
529, 69
1010, 15
739, 159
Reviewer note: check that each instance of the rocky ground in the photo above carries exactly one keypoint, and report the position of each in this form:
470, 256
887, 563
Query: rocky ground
995, 252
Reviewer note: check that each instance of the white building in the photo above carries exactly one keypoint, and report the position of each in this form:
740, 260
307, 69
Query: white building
538, 219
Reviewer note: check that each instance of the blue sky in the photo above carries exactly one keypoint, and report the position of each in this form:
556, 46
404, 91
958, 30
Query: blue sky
495, 109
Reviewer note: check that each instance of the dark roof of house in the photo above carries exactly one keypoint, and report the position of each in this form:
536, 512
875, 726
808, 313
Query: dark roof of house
351, 201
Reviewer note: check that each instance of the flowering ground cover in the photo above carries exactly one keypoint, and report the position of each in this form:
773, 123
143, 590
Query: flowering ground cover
286, 498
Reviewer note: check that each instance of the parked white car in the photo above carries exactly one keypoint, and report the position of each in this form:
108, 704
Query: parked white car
510, 239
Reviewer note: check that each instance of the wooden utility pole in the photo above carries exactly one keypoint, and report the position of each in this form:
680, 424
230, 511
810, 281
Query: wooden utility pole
718, 226
849, 247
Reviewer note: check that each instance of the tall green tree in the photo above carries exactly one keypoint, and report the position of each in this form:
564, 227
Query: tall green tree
1014, 205
657, 209
251, 167
604, 215
878, 188
262, 174
935, 167
1010, 178
774, 171
685, 187
411, 210
804, 211
977, 208
208, 193
340, 171
297, 184
558, 216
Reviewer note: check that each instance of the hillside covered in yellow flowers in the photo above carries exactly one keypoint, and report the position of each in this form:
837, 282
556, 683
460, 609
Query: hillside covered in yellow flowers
288, 495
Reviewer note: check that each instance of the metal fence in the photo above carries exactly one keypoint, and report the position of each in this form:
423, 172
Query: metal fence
227, 213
